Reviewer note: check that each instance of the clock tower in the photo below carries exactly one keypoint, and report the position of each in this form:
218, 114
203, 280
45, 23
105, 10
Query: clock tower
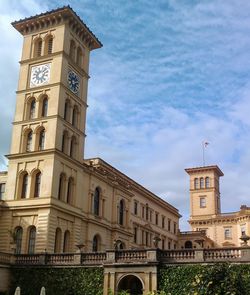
46, 154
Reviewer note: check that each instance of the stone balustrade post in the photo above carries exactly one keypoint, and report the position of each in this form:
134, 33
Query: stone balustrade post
42, 258
77, 258
245, 254
199, 255
110, 256
152, 255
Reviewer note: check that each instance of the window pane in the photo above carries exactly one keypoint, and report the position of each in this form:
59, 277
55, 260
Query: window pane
2, 190
32, 241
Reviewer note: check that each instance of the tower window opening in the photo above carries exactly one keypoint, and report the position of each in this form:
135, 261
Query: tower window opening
45, 107
37, 185
29, 141
41, 140
24, 191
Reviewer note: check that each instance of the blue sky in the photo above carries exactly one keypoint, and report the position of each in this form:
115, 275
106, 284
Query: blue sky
170, 75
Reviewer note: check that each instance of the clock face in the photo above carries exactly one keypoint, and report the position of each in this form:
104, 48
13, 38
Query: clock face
73, 81
40, 75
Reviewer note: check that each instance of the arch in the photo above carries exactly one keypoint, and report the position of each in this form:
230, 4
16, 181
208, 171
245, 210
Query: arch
23, 178
61, 187
188, 245
72, 151
48, 44
207, 182
66, 241
96, 243
119, 245
72, 49
32, 240
37, 184
201, 182
38, 47
96, 204
130, 283
75, 116
18, 239
196, 183
121, 212
70, 191
58, 240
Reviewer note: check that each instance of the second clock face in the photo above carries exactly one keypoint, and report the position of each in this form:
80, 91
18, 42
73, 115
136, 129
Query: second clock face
73, 81
40, 75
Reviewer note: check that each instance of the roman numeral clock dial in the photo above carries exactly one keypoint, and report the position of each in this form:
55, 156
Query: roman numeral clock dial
73, 82
40, 75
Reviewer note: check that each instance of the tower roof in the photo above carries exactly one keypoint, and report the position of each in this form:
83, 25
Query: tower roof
214, 168
54, 17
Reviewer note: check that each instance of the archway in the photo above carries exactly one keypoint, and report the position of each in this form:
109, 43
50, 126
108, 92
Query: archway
188, 245
131, 284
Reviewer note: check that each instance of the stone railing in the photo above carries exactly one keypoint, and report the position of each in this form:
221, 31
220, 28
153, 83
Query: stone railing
131, 256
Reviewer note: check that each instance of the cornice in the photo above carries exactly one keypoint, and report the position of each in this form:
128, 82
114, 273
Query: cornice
203, 169
52, 18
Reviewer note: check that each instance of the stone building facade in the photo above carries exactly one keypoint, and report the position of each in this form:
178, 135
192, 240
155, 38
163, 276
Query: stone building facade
51, 198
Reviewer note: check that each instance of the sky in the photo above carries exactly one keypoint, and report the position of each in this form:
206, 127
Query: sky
170, 75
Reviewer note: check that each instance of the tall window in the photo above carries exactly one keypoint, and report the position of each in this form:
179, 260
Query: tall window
58, 240
38, 47
95, 244
2, 190
196, 183
32, 109
37, 185
75, 116
45, 107
18, 239
156, 218
163, 222
147, 211
32, 240
70, 191
169, 224
201, 182
97, 201
29, 141
66, 241
121, 212
72, 147
24, 191
41, 140
72, 50
135, 234
61, 187
202, 202
79, 57
228, 233
207, 182
49, 45
65, 142
135, 208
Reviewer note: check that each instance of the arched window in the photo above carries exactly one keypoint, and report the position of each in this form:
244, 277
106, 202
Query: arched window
75, 116
73, 147
66, 241
45, 107
188, 245
66, 110
61, 188
49, 45
38, 47
207, 182
201, 182
72, 50
121, 212
65, 142
18, 239
96, 201
24, 191
41, 140
58, 240
32, 109
29, 141
70, 191
196, 183
37, 185
32, 240
95, 244
79, 57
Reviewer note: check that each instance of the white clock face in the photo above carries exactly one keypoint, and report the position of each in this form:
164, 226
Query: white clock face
40, 75
73, 81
